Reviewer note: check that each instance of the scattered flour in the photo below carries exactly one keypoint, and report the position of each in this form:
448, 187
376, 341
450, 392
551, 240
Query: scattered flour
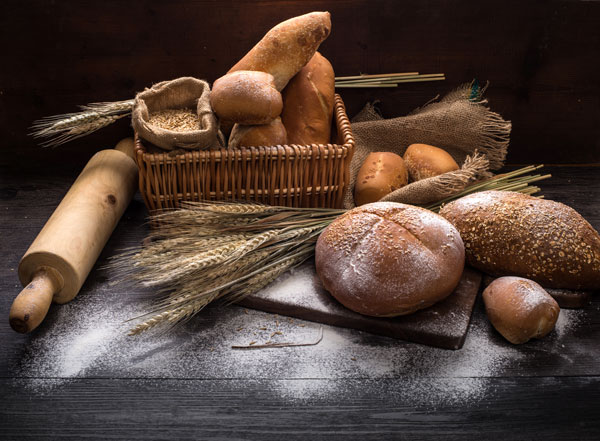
87, 338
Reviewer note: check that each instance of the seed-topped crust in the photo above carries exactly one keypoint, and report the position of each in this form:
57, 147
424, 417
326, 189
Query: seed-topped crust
509, 233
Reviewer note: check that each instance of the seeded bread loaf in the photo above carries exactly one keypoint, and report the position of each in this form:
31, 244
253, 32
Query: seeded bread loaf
287, 47
387, 259
512, 234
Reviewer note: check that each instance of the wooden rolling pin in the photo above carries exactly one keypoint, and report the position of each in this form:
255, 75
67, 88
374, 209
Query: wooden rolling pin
60, 258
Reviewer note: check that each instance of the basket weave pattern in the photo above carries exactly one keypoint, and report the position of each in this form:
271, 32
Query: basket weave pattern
290, 175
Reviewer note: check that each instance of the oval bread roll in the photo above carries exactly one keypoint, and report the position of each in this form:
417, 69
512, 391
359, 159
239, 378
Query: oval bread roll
287, 47
308, 102
380, 174
246, 97
256, 136
520, 309
512, 234
426, 161
387, 259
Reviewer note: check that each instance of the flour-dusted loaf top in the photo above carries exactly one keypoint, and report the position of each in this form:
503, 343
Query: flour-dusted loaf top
246, 97
287, 47
512, 234
388, 259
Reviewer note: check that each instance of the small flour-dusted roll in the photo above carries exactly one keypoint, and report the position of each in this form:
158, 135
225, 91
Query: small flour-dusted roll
308, 101
520, 309
287, 47
387, 259
512, 234
256, 136
426, 161
380, 174
246, 97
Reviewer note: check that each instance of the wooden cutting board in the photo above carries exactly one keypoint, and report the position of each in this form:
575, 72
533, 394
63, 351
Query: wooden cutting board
300, 294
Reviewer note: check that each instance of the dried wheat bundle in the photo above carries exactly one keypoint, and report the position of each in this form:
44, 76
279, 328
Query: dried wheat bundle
227, 250
60, 129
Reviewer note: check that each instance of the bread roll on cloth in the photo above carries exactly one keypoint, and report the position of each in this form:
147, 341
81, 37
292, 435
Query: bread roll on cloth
380, 174
246, 97
387, 259
287, 47
256, 136
512, 234
520, 309
308, 102
426, 161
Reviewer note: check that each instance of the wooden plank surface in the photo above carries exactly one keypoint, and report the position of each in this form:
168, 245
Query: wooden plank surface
549, 408
443, 325
78, 376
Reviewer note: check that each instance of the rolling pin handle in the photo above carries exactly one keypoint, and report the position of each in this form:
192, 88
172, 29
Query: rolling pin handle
31, 306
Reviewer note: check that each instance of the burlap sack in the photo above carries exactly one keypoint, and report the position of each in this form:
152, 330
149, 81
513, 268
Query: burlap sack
460, 123
185, 92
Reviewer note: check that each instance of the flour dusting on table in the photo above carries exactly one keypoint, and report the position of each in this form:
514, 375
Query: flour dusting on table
87, 338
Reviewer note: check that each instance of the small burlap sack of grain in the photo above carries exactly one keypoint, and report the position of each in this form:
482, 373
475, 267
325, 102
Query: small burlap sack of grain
168, 97
460, 123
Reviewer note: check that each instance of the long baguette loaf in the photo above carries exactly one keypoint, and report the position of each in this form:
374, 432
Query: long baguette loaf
512, 234
287, 47
308, 103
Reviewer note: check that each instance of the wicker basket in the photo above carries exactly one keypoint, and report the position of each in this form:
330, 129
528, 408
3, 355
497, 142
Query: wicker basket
289, 175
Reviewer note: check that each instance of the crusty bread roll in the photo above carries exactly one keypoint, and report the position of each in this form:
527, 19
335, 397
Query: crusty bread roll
287, 47
256, 136
387, 259
426, 161
512, 234
246, 97
520, 309
380, 174
308, 101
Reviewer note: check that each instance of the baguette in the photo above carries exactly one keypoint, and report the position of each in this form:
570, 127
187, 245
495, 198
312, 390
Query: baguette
287, 47
308, 102
512, 234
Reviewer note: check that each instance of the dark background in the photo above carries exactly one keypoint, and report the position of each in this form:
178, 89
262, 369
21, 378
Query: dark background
542, 61
540, 57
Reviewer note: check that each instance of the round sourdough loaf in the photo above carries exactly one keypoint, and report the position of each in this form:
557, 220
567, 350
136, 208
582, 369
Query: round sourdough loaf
511, 234
520, 309
387, 259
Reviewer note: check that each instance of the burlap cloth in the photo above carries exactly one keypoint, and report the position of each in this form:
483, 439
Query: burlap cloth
184, 92
460, 123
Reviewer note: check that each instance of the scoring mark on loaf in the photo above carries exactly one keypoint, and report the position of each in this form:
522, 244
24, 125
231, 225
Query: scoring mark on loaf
388, 259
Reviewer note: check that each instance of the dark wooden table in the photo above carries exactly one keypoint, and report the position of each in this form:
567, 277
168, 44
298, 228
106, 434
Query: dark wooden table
78, 376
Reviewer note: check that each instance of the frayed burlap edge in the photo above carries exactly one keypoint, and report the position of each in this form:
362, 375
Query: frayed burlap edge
484, 131
440, 187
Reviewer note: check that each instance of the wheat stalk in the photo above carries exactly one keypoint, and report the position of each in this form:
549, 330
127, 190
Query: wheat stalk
226, 250
60, 129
